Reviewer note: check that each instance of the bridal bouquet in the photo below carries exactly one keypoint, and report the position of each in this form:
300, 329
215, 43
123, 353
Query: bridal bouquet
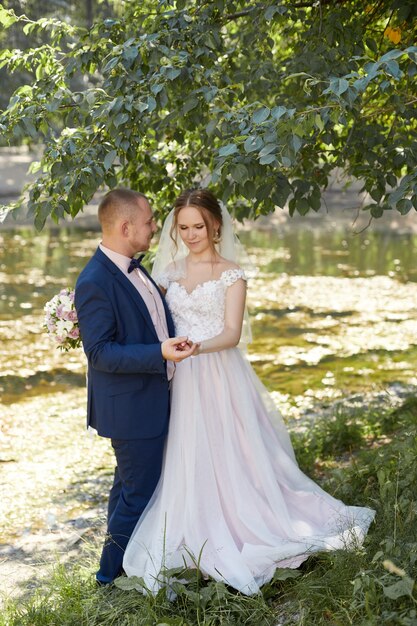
61, 320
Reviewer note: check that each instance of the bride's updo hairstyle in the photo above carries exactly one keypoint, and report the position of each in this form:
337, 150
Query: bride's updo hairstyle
208, 205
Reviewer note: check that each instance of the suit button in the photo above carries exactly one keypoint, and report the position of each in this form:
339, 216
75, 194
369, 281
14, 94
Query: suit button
165, 379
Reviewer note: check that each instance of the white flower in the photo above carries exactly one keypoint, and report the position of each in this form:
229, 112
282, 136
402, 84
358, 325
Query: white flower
66, 301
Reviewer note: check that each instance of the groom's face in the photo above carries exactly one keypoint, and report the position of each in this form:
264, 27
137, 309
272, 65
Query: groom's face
142, 227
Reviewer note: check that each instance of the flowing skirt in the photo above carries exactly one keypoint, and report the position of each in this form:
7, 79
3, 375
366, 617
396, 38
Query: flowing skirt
231, 495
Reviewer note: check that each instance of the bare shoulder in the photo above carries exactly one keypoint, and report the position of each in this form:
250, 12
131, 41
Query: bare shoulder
225, 265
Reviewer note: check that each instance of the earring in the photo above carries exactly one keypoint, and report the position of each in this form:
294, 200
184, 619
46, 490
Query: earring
216, 236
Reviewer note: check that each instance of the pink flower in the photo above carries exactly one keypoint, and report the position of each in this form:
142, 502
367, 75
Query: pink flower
74, 333
72, 316
60, 311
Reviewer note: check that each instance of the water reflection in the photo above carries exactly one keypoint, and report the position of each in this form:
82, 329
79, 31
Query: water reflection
34, 267
334, 252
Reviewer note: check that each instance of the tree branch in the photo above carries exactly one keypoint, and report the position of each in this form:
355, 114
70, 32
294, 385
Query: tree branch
296, 5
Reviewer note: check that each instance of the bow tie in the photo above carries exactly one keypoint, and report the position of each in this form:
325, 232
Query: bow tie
135, 263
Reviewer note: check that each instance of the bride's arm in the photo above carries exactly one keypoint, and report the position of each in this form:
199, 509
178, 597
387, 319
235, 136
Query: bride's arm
233, 320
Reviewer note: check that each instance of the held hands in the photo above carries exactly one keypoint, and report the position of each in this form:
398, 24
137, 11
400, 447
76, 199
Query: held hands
178, 348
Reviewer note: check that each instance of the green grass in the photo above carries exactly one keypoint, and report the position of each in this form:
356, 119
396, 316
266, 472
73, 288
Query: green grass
366, 458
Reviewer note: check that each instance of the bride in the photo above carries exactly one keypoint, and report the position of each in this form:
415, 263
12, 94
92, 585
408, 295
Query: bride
231, 494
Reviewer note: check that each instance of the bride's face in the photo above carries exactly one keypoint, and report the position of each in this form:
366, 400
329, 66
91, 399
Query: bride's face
193, 230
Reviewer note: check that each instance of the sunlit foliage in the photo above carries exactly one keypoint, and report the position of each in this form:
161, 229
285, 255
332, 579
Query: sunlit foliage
263, 101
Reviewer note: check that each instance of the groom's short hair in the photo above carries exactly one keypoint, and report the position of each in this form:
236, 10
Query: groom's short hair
118, 202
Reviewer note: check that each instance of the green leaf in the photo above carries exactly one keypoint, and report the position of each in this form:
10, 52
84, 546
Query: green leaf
111, 64
267, 159
401, 588
43, 210
151, 103
156, 88
393, 69
239, 173
141, 106
392, 54
318, 122
30, 127
361, 84
371, 43
7, 17
209, 93
172, 73
249, 189
252, 143
190, 104
315, 200
129, 583
116, 105
109, 159
270, 147
376, 210
261, 115
376, 194
121, 118
391, 180
297, 142
286, 573
303, 206
225, 151
278, 112
404, 206
338, 86
211, 127
270, 12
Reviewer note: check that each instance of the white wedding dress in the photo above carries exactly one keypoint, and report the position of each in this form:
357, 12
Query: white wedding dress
231, 494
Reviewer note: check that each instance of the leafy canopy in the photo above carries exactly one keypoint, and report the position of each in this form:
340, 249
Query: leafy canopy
260, 100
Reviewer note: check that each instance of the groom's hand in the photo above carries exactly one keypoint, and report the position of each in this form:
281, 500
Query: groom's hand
184, 345
177, 349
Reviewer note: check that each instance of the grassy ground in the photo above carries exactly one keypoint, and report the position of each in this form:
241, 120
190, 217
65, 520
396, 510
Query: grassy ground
367, 458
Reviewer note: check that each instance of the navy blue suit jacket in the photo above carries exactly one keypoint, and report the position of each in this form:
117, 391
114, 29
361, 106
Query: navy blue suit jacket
128, 394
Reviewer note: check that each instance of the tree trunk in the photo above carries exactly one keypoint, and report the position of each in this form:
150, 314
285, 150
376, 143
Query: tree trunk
89, 13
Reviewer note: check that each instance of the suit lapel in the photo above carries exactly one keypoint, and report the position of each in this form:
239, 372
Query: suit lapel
126, 284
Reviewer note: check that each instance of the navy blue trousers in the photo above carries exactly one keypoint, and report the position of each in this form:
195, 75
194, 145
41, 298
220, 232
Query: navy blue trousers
139, 463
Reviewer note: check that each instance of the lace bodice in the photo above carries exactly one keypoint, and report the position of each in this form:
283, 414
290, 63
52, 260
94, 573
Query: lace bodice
199, 314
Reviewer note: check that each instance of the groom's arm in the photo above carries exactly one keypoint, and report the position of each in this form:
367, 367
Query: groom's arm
97, 323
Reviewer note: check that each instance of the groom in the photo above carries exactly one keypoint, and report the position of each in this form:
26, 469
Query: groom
127, 335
